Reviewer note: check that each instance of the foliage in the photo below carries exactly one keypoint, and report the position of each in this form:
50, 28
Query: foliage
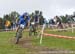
14, 15
64, 19
11, 17
1, 22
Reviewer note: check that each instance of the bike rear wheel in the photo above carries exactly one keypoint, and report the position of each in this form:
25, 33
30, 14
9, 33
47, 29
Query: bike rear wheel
18, 35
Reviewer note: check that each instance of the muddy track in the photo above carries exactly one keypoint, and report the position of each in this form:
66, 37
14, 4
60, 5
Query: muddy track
27, 43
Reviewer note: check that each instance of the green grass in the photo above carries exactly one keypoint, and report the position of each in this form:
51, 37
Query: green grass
66, 33
56, 43
6, 47
59, 43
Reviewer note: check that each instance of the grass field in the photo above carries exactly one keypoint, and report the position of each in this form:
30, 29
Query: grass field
9, 47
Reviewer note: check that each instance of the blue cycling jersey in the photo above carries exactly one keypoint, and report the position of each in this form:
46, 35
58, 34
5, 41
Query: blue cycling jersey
23, 21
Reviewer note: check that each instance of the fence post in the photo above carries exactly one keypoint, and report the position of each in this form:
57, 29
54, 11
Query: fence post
42, 33
72, 28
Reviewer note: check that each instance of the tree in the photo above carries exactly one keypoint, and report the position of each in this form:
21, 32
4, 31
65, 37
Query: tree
1, 23
41, 20
64, 19
14, 15
6, 17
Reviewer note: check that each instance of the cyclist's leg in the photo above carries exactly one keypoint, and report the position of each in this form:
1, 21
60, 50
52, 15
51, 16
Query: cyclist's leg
20, 35
30, 30
16, 31
34, 30
19, 30
17, 35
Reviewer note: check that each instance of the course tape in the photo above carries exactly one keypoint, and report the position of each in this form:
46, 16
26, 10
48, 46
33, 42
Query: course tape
59, 36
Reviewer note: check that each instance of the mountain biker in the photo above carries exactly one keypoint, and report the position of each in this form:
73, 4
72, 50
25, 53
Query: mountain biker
36, 18
32, 29
59, 22
23, 21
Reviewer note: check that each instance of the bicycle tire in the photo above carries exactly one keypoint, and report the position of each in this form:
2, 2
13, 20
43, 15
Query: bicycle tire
18, 35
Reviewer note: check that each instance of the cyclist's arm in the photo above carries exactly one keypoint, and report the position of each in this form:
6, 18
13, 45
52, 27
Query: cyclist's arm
28, 23
18, 23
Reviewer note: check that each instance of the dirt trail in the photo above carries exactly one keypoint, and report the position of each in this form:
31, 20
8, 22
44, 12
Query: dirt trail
32, 49
27, 43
